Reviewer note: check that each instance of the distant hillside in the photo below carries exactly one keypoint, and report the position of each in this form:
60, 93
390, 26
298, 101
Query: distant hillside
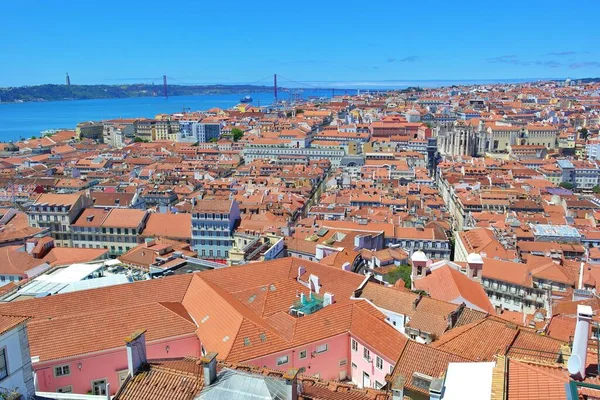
84, 92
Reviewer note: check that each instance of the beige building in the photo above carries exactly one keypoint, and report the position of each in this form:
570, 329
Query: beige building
166, 130
116, 230
57, 212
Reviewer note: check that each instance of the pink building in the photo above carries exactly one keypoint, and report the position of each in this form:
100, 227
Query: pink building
92, 372
326, 359
85, 353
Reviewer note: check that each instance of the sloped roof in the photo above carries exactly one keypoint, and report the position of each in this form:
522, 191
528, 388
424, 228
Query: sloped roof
423, 359
92, 331
448, 284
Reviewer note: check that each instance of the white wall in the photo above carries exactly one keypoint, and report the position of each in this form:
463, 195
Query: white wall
18, 360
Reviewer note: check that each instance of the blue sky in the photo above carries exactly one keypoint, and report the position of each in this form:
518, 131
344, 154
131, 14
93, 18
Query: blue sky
327, 41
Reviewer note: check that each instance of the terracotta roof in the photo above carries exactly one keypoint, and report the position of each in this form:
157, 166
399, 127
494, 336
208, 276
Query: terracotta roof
94, 331
482, 340
221, 206
169, 226
384, 340
124, 218
169, 379
183, 379
423, 359
527, 381
103, 300
8, 322
58, 199
448, 284
562, 327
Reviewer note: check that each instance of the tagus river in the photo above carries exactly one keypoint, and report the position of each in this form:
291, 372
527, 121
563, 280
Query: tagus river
23, 120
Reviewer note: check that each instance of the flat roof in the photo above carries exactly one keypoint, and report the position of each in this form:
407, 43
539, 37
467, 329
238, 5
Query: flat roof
555, 230
72, 273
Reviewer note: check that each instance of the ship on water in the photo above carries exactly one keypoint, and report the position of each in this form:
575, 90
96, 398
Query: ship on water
246, 99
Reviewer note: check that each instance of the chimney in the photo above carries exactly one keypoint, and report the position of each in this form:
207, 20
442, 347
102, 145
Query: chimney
209, 365
577, 361
314, 283
398, 388
436, 389
328, 299
30, 245
291, 384
136, 351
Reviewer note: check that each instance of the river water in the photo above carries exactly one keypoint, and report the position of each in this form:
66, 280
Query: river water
23, 120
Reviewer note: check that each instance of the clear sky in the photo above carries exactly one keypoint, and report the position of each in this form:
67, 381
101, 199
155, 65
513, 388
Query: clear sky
220, 41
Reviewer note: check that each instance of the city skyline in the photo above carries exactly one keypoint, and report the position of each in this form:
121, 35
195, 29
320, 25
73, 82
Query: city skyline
334, 43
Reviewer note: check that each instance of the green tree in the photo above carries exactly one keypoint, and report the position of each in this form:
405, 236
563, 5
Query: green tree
566, 185
596, 189
138, 139
214, 140
237, 134
583, 133
32, 138
402, 272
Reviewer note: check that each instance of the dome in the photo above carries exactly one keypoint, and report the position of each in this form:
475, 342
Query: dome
474, 258
418, 256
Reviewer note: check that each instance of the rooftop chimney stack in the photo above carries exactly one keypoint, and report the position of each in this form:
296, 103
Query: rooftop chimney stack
291, 384
136, 351
436, 389
577, 361
209, 363
398, 388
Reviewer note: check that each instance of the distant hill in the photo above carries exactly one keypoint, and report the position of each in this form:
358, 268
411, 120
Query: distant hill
84, 92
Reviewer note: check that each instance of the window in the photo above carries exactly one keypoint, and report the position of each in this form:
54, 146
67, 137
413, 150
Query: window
343, 362
282, 360
379, 362
62, 370
65, 389
366, 354
354, 366
303, 354
378, 385
3, 366
322, 348
354, 345
99, 387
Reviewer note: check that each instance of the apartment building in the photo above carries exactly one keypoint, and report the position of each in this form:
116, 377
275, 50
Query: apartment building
90, 130
116, 229
213, 224
583, 175
145, 129
432, 241
57, 212
254, 152
513, 286
198, 132
166, 129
